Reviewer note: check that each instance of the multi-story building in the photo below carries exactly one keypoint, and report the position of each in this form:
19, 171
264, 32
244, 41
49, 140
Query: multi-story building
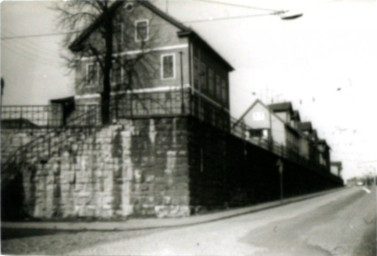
336, 168
280, 124
324, 154
161, 67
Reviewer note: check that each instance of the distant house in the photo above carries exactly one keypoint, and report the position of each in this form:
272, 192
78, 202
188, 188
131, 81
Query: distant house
264, 123
324, 153
282, 124
312, 139
336, 168
277, 123
177, 60
285, 111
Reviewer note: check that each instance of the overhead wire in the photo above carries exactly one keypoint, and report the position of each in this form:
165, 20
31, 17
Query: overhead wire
236, 5
39, 35
229, 18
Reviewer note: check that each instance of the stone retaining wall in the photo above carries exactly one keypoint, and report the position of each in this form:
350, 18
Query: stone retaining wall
133, 168
163, 167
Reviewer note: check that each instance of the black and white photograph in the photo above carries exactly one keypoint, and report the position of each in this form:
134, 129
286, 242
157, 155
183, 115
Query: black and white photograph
188, 127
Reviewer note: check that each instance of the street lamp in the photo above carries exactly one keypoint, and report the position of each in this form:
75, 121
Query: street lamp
291, 17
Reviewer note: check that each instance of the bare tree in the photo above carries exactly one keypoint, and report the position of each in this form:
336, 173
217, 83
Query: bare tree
105, 33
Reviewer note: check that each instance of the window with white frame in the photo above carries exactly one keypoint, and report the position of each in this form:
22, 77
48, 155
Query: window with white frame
92, 74
168, 66
141, 30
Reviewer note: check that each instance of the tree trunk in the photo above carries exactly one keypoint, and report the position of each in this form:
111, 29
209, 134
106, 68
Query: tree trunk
105, 95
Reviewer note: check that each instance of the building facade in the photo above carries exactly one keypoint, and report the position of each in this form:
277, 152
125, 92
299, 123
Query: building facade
336, 168
281, 125
161, 67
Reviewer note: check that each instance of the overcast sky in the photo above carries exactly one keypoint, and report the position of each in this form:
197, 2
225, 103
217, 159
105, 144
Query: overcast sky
324, 62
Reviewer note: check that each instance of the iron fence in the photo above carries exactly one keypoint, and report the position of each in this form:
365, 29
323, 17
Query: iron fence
157, 104
47, 116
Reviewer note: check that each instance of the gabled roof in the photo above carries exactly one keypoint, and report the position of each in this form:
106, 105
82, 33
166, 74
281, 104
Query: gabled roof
76, 45
323, 142
272, 114
296, 116
314, 134
281, 107
251, 107
185, 31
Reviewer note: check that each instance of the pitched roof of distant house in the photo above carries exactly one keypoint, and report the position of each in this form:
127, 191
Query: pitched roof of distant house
281, 107
77, 44
305, 126
312, 135
296, 115
252, 106
323, 142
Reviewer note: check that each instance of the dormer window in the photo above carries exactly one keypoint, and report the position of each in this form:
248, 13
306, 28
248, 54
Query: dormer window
142, 30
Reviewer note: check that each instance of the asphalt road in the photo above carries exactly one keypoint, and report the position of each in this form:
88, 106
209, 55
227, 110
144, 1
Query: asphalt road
341, 223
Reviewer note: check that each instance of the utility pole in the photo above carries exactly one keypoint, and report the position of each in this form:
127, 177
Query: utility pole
280, 165
182, 81
2, 86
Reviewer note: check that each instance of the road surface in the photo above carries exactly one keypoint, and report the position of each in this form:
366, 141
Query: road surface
339, 223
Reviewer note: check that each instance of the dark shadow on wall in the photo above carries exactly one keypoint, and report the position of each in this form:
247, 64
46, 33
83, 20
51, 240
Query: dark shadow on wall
12, 199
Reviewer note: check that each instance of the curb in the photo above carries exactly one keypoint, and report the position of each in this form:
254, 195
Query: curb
148, 224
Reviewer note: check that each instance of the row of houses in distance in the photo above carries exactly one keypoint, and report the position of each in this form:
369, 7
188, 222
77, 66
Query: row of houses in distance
279, 124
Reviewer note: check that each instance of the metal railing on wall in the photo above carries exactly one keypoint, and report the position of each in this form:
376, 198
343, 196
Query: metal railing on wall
170, 104
156, 104
47, 116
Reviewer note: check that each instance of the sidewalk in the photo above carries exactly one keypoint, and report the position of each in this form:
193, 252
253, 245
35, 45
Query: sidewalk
154, 223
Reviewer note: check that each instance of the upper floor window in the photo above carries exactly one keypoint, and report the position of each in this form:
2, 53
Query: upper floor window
218, 87
142, 30
116, 75
168, 66
203, 77
119, 33
196, 72
211, 85
223, 91
92, 74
